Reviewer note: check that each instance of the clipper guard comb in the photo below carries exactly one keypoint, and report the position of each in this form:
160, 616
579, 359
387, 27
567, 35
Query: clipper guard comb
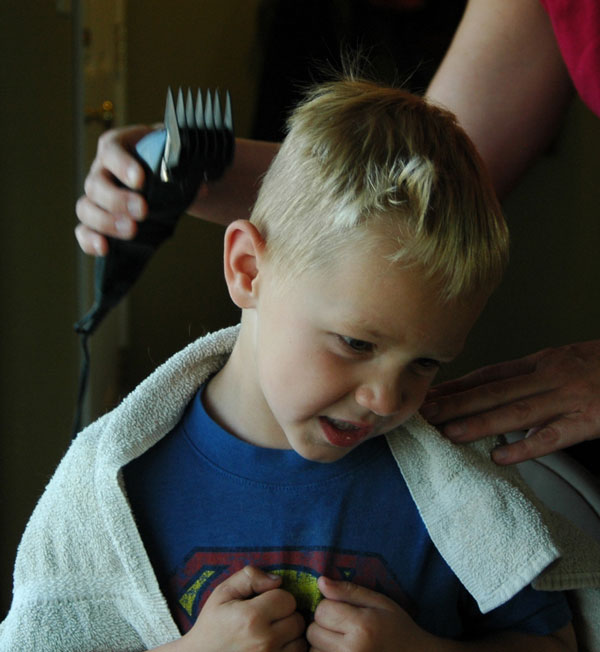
196, 145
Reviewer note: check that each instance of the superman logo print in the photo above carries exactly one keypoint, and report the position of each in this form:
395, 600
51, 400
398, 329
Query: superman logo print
299, 569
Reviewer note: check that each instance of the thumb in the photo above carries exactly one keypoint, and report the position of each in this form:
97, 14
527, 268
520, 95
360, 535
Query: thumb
353, 594
245, 584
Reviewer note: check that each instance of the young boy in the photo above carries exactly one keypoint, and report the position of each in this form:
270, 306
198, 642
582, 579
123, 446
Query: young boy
269, 512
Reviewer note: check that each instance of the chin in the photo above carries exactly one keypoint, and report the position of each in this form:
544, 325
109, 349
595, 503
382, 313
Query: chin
321, 454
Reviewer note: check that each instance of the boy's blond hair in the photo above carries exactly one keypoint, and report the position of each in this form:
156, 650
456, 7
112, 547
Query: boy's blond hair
359, 154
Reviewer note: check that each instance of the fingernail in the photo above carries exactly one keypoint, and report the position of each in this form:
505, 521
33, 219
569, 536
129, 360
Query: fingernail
324, 581
124, 226
135, 207
132, 177
98, 248
430, 410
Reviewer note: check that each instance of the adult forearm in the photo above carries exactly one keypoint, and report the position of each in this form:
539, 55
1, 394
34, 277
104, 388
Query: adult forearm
504, 78
233, 196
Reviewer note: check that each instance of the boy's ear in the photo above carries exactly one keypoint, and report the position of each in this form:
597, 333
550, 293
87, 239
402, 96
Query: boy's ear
242, 255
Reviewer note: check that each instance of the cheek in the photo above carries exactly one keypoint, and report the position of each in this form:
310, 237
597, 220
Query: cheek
300, 383
415, 397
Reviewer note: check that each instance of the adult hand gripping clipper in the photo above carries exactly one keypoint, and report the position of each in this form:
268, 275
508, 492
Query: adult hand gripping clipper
196, 144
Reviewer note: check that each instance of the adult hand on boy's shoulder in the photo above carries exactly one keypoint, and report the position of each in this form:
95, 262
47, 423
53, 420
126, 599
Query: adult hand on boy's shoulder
554, 393
248, 611
352, 618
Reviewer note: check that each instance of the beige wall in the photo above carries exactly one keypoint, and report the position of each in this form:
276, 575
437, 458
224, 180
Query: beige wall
38, 351
550, 296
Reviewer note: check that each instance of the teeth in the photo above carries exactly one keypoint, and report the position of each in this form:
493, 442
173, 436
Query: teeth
343, 425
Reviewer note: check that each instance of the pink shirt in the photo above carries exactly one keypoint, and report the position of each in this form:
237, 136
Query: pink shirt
576, 24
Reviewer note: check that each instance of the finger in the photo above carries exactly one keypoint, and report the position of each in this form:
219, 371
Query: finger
489, 374
275, 603
520, 414
91, 243
299, 645
335, 616
289, 629
101, 190
554, 436
113, 154
352, 594
322, 638
518, 391
246, 583
100, 221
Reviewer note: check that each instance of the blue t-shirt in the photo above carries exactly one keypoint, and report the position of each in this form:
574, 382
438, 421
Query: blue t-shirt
207, 504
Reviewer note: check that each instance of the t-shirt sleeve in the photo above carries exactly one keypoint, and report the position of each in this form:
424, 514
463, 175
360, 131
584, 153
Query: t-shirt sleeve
531, 612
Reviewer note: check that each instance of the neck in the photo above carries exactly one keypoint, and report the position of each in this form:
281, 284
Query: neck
233, 398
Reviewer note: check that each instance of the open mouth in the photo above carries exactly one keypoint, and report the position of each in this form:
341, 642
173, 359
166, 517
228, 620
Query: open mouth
344, 433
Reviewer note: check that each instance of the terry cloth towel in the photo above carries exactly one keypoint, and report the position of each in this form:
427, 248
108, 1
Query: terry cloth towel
492, 530
83, 580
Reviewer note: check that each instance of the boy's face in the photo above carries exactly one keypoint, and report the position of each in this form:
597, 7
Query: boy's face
342, 354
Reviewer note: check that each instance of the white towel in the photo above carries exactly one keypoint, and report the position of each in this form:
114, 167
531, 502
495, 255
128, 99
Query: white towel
83, 580
492, 530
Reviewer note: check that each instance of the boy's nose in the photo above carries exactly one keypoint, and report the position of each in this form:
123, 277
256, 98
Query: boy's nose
382, 398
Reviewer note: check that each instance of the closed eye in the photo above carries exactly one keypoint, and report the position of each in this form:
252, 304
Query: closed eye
358, 346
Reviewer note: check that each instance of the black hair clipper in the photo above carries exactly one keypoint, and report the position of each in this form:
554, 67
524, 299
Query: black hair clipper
196, 145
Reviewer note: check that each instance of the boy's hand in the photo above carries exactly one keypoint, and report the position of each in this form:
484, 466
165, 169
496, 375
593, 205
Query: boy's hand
554, 393
352, 618
248, 612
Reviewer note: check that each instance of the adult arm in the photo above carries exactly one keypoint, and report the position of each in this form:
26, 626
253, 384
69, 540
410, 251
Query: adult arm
504, 78
107, 208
